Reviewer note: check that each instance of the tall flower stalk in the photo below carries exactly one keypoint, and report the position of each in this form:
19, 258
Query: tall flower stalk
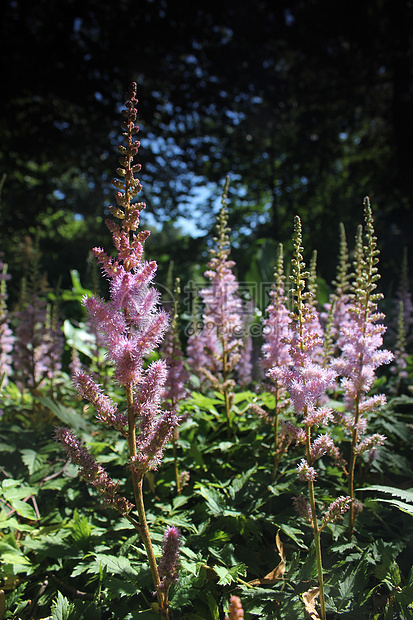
275, 350
361, 337
307, 381
222, 317
175, 388
6, 334
131, 325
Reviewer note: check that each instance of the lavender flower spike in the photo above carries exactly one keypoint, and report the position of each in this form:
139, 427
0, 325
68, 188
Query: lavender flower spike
168, 564
91, 471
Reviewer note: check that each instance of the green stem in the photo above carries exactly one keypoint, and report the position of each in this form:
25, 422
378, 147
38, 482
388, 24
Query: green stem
142, 526
316, 531
352, 466
276, 425
226, 391
176, 468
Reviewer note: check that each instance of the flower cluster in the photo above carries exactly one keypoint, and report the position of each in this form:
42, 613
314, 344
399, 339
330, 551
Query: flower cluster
236, 611
276, 328
219, 343
171, 350
6, 334
361, 336
131, 324
169, 562
92, 472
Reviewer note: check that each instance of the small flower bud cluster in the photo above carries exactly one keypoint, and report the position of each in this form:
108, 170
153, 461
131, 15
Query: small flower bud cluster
236, 611
337, 509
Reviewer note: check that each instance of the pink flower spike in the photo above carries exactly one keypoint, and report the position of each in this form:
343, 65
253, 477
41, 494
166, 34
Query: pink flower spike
305, 472
106, 410
168, 564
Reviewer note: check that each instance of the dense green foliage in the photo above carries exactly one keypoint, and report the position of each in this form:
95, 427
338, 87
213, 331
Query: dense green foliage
64, 554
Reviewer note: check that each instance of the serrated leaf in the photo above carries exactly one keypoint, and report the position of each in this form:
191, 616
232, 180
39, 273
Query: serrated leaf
215, 502
224, 575
24, 509
115, 565
407, 494
61, 608
32, 459
407, 508
14, 489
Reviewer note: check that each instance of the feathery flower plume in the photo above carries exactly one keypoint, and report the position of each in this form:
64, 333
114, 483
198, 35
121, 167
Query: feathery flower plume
360, 339
171, 350
222, 316
6, 334
276, 351
307, 381
91, 471
168, 564
131, 326
177, 378
399, 366
39, 343
336, 310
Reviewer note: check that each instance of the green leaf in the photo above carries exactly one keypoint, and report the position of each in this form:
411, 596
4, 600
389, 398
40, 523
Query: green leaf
294, 533
395, 502
32, 459
24, 509
215, 501
61, 608
403, 494
80, 528
213, 607
67, 415
80, 339
115, 565
14, 489
407, 494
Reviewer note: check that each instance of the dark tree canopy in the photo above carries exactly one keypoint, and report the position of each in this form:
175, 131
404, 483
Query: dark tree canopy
307, 105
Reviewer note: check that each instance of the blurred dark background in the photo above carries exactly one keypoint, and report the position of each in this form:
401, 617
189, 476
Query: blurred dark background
306, 104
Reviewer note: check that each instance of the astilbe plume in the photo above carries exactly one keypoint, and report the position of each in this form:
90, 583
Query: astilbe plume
276, 352
307, 381
336, 310
39, 339
361, 337
169, 562
6, 334
175, 389
92, 472
399, 365
131, 326
244, 367
196, 356
400, 329
171, 349
404, 296
221, 337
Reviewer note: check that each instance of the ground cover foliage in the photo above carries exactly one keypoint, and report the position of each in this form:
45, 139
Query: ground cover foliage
251, 457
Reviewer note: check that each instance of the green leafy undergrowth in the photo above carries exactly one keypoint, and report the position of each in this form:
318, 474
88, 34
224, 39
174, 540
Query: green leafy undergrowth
65, 555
